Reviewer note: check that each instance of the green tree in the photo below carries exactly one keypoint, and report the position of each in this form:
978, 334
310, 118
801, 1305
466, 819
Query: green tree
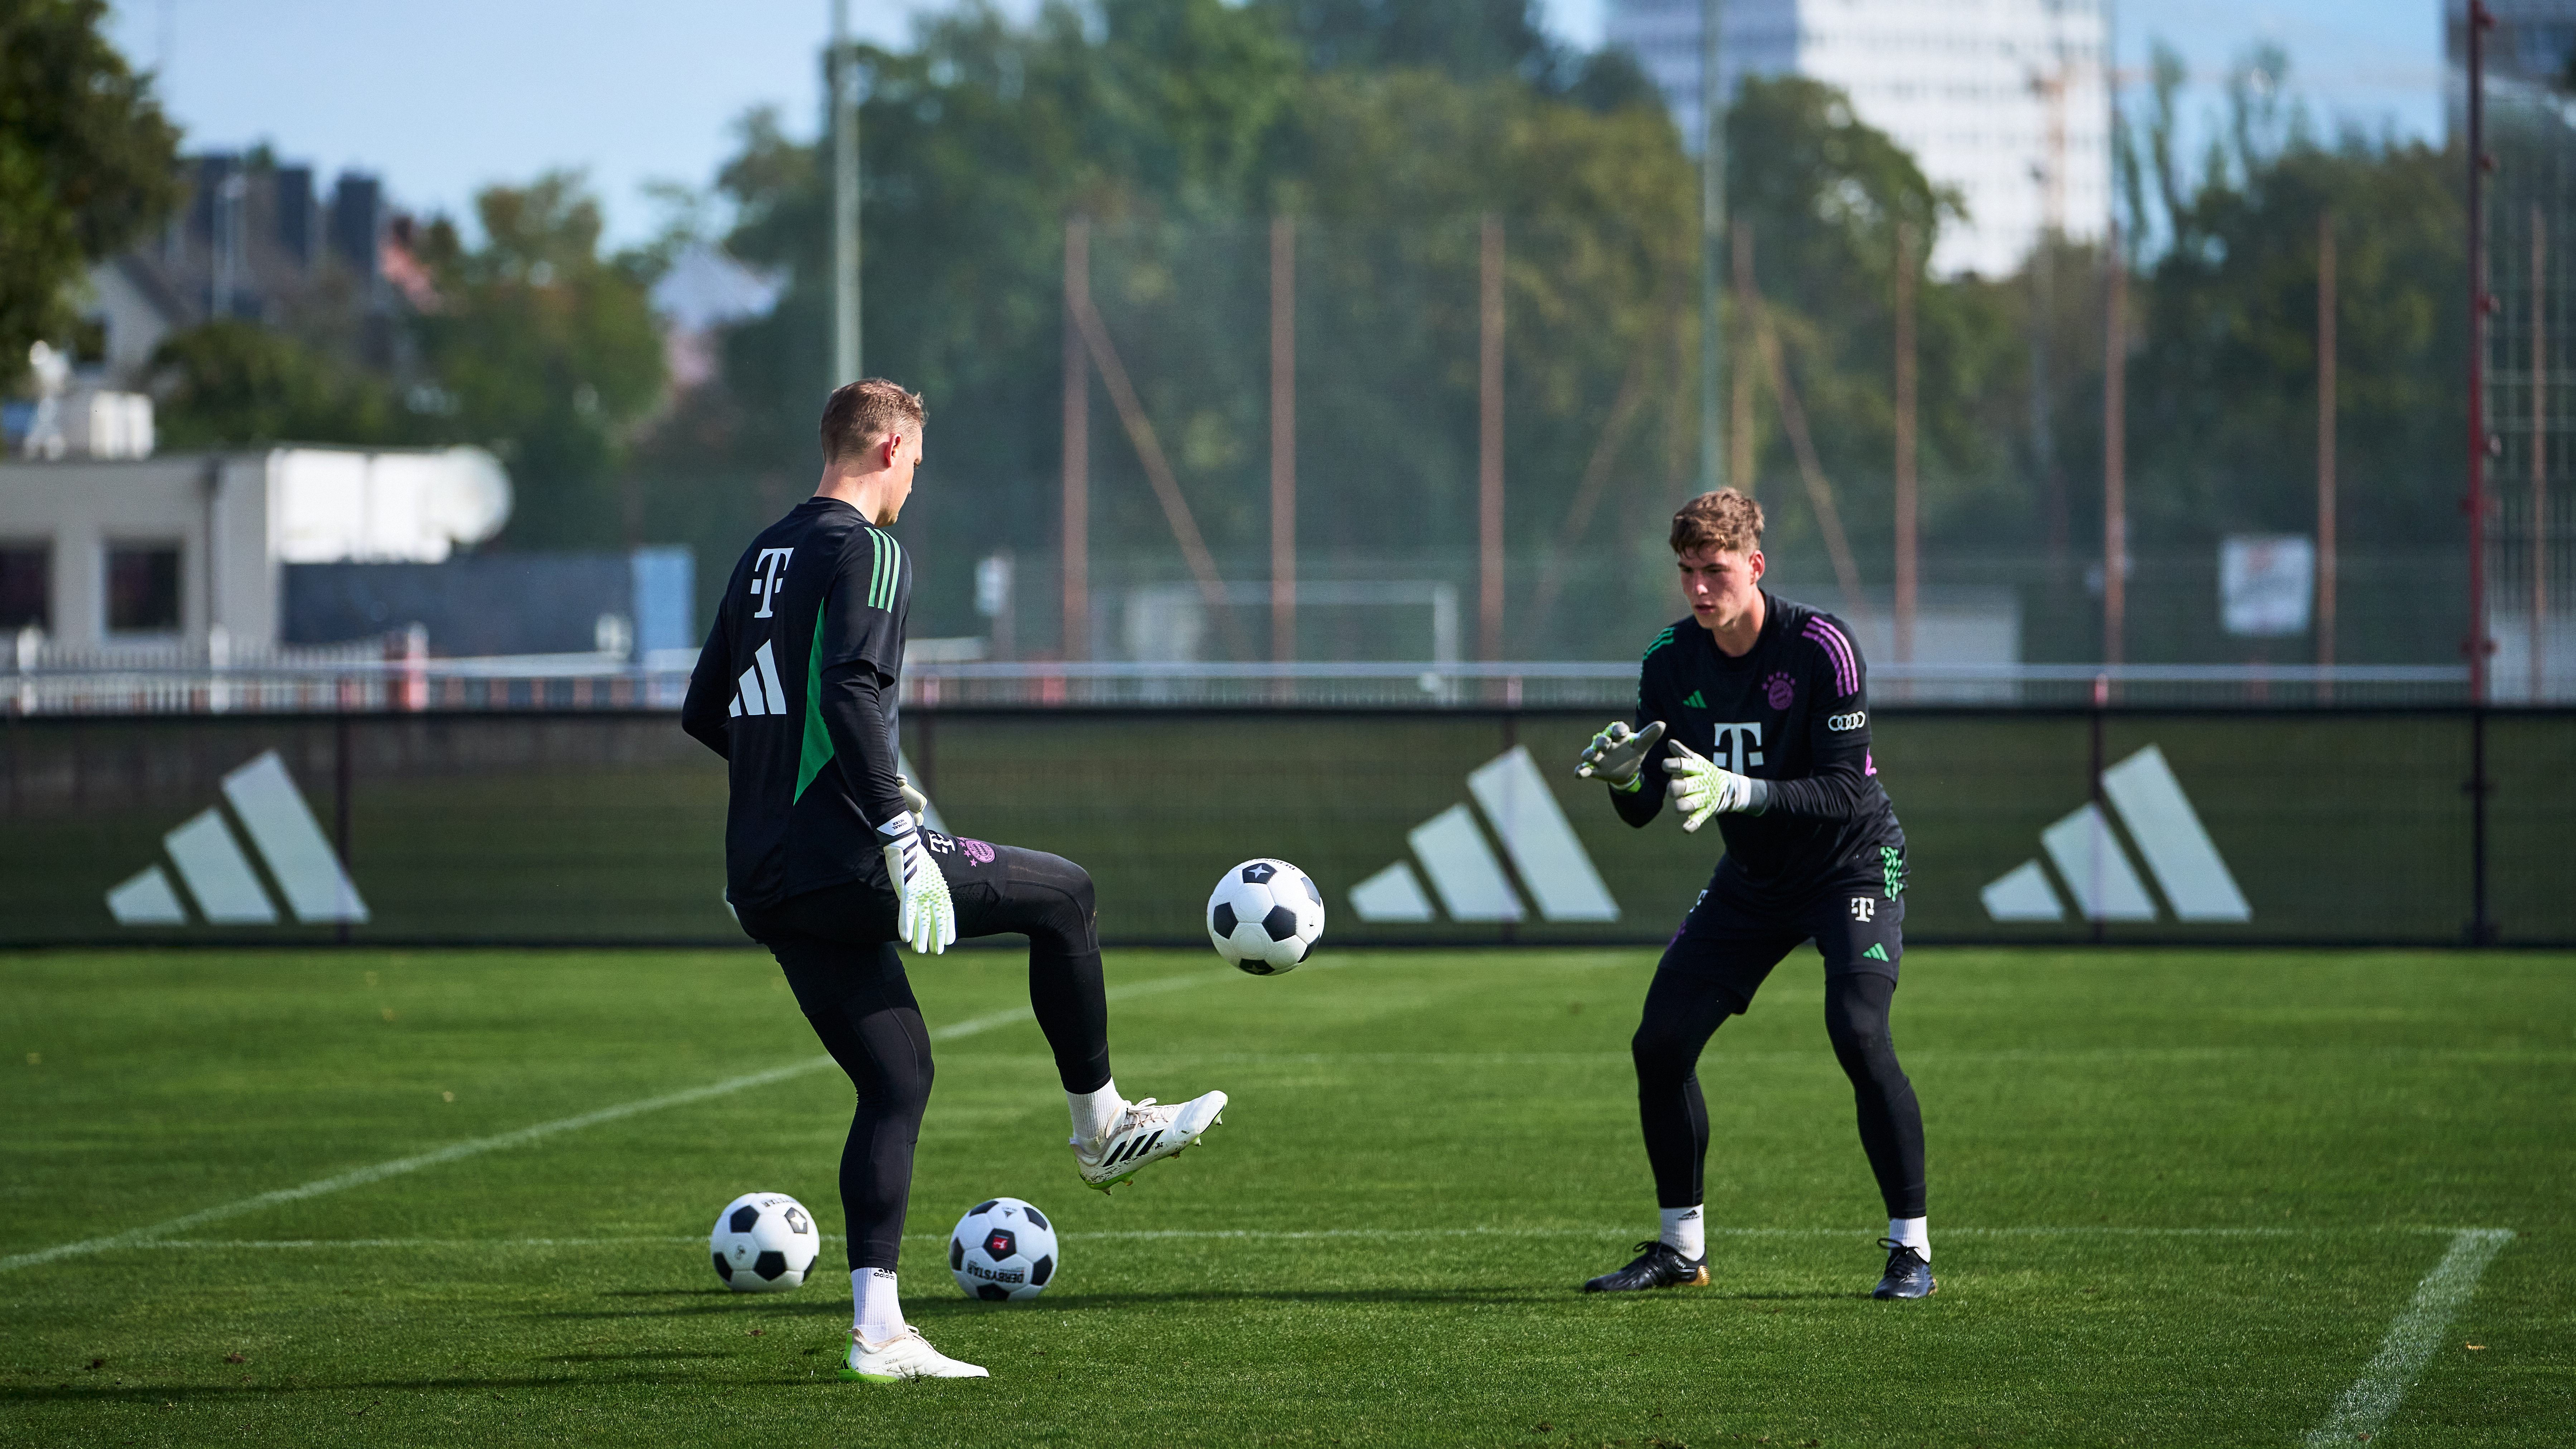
1822, 197
230, 383
87, 163
2223, 364
546, 352
1180, 130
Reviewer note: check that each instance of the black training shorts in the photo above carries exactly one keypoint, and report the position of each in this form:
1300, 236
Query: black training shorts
849, 929
1735, 934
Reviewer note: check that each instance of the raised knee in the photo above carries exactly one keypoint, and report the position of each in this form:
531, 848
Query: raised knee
1658, 1054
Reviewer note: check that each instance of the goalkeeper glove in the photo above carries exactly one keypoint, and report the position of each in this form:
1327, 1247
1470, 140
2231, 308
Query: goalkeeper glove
1618, 754
925, 918
914, 801
1704, 788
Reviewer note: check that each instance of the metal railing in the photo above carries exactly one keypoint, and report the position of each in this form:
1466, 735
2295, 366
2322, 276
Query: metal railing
349, 680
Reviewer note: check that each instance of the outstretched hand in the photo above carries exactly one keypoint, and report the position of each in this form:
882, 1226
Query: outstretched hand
1618, 754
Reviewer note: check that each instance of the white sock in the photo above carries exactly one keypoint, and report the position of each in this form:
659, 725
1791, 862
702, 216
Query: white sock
1915, 1233
876, 1312
1686, 1231
1094, 1112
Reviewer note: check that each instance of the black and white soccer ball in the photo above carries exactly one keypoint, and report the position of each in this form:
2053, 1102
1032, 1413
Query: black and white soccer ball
1003, 1251
764, 1242
1264, 916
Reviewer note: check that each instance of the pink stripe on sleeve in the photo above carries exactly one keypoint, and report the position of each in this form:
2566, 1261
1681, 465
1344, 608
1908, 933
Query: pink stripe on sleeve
1836, 647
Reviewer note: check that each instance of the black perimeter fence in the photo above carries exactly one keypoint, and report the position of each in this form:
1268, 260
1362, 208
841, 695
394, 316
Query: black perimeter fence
1458, 826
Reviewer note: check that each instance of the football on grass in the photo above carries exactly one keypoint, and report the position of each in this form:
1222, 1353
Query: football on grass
764, 1242
1264, 916
1003, 1251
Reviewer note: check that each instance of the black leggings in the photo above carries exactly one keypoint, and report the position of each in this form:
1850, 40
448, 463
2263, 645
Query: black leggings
1681, 1015
836, 946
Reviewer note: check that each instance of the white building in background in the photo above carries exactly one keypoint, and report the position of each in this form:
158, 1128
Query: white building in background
186, 547
2006, 100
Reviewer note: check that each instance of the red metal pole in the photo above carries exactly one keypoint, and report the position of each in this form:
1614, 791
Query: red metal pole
1489, 443
1077, 442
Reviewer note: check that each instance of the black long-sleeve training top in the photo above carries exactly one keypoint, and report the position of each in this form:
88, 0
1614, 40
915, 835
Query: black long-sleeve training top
1793, 713
796, 689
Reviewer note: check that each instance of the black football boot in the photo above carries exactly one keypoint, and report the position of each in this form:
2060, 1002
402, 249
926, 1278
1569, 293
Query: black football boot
1658, 1265
1908, 1276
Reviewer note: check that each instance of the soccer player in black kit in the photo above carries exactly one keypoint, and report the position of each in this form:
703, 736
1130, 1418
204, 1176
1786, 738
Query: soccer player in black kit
1761, 708
827, 862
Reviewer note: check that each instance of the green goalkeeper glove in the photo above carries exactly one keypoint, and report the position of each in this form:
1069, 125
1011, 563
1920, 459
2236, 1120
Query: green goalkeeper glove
925, 918
1618, 754
913, 800
1703, 788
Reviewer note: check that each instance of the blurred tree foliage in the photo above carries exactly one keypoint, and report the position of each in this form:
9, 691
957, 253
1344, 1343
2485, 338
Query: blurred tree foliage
87, 164
1388, 131
545, 351
2222, 376
232, 383
536, 346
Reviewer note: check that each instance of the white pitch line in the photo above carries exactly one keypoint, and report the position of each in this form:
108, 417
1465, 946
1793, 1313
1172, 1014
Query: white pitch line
399, 1166
2411, 1339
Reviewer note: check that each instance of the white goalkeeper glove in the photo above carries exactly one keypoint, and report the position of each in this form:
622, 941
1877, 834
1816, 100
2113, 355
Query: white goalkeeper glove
914, 801
1703, 788
1617, 755
925, 919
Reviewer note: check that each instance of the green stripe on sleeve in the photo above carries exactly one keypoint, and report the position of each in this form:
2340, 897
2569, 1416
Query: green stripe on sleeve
883, 585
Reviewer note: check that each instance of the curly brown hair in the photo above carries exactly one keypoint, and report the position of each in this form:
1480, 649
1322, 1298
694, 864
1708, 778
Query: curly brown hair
1725, 520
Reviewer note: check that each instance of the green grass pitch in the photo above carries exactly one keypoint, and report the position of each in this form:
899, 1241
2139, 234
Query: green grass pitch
2177, 1198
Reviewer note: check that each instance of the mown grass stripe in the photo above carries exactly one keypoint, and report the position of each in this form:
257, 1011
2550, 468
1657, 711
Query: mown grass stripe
520, 1137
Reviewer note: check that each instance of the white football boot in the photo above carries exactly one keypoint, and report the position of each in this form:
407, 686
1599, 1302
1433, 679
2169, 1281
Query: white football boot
907, 1356
1146, 1132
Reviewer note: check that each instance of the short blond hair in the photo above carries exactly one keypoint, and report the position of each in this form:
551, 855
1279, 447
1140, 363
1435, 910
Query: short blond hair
861, 413
1725, 520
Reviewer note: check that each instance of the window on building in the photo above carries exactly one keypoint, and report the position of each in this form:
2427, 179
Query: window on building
26, 586
143, 589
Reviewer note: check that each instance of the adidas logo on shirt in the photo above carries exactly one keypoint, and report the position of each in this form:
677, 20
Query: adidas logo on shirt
760, 692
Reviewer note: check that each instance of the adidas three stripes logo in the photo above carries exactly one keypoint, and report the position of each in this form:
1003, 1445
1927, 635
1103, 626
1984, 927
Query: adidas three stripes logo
760, 692
1134, 1147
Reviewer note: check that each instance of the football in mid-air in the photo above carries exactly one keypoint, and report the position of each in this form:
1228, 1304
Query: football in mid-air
764, 1242
1003, 1251
1264, 916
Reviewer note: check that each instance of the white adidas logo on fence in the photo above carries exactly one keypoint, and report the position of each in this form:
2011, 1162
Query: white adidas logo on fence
1470, 880
2096, 871
218, 875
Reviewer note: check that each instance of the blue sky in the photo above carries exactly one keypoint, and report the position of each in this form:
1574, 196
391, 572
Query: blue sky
442, 98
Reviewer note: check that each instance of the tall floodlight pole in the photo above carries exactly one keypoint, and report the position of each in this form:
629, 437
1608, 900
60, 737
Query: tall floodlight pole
845, 200
1712, 239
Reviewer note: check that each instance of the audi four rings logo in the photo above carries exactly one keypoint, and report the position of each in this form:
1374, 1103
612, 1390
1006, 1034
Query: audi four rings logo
1844, 723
